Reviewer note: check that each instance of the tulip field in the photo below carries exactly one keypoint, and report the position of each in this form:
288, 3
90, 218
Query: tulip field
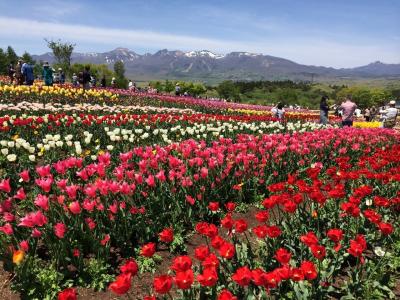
108, 194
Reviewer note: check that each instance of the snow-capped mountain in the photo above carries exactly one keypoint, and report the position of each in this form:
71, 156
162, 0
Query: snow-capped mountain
211, 67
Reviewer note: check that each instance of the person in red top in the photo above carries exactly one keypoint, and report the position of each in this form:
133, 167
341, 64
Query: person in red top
348, 107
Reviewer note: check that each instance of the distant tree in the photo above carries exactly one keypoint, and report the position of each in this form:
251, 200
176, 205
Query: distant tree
119, 70
168, 86
198, 89
287, 95
96, 70
3, 62
38, 69
26, 57
157, 85
62, 53
12, 57
228, 90
396, 93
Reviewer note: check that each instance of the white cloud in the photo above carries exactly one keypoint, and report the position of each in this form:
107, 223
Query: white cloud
56, 8
303, 50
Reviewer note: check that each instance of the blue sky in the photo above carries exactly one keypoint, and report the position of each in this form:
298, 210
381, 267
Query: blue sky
330, 33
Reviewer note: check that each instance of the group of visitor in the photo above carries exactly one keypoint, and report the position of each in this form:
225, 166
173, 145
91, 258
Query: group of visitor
348, 110
84, 79
21, 73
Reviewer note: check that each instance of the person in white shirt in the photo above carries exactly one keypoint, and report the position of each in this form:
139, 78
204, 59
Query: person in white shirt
389, 115
278, 111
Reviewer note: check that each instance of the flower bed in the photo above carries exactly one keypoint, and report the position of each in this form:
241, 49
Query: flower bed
28, 138
324, 232
77, 213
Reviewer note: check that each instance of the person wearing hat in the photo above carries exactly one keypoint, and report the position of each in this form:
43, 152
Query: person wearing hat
47, 74
177, 90
389, 115
113, 83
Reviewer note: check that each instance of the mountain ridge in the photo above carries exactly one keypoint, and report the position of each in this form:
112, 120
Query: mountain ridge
208, 66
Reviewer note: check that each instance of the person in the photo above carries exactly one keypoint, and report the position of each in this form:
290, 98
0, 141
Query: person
389, 115
278, 111
62, 76
113, 83
56, 76
177, 90
323, 110
103, 81
357, 112
27, 72
47, 74
80, 78
348, 108
86, 78
11, 73
130, 84
93, 81
373, 112
367, 114
75, 81
19, 79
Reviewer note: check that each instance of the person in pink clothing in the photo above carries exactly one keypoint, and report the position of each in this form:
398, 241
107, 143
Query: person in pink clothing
348, 107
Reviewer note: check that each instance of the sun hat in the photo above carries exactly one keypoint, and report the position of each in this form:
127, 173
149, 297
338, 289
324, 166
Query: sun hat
46, 64
392, 102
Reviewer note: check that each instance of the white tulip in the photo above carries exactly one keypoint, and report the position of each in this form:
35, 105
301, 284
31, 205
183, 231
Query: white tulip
32, 157
4, 151
110, 147
11, 157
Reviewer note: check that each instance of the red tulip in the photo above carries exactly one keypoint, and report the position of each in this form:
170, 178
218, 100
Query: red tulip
184, 280
67, 294
209, 277
226, 295
122, 284
283, 256
181, 263
162, 284
167, 235
130, 266
201, 252
148, 250
242, 276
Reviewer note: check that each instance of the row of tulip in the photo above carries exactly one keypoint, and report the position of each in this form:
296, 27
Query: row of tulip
50, 137
303, 115
54, 107
324, 232
18, 93
68, 94
73, 209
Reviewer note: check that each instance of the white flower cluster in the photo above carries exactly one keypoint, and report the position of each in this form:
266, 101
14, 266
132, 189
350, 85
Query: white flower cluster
82, 143
88, 107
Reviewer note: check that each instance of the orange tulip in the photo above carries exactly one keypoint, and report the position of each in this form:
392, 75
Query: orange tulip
18, 256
